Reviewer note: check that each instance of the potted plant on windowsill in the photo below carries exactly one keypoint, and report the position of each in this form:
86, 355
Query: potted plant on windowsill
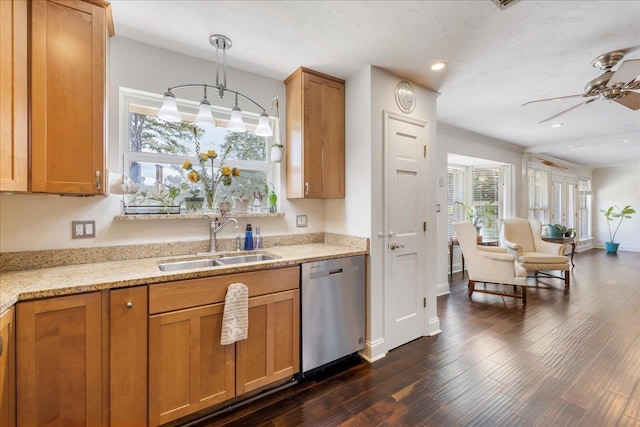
479, 216
613, 213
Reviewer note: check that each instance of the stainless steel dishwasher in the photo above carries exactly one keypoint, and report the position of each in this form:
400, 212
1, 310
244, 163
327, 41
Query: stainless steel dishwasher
333, 301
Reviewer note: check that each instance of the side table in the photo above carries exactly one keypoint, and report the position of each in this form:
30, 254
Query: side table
564, 240
452, 243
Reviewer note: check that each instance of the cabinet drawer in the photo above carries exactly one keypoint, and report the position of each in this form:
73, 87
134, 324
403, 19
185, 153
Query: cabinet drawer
196, 292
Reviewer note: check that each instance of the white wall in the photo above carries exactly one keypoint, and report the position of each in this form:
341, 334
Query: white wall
383, 98
352, 215
618, 186
36, 222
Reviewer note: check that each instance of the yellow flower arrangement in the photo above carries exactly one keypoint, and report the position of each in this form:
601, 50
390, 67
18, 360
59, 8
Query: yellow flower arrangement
224, 173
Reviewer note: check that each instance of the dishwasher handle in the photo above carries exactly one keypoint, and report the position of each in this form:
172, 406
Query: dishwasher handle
317, 272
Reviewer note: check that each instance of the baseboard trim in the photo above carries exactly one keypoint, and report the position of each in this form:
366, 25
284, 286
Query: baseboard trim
373, 350
434, 327
442, 289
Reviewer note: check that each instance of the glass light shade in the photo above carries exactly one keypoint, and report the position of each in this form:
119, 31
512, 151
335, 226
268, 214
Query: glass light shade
204, 117
169, 110
263, 128
235, 123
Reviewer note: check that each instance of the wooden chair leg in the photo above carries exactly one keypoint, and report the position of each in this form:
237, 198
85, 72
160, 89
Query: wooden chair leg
524, 295
567, 278
472, 286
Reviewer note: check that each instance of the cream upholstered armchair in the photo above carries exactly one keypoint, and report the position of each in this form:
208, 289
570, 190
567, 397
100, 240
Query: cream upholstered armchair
490, 264
523, 238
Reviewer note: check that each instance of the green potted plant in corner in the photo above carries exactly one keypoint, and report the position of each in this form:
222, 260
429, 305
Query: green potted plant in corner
613, 213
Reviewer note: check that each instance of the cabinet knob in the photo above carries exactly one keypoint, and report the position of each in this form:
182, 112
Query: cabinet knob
394, 246
306, 188
98, 180
129, 304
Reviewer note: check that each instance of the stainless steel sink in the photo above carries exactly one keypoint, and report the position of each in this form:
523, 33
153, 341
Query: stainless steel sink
240, 259
186, 265
213, 262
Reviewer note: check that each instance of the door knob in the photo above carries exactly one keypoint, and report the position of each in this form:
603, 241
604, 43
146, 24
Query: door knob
394, 246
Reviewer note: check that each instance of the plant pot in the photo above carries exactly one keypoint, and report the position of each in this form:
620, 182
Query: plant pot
554, 232
612, 248
193, 204
276, 154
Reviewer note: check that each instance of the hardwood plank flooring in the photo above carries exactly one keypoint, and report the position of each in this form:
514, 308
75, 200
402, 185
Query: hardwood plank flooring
571, 357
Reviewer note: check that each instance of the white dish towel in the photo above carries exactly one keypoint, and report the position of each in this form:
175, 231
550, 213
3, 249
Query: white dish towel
235, 318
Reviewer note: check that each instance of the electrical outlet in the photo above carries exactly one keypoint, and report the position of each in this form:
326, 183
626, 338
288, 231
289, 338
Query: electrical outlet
83, 229
301, 220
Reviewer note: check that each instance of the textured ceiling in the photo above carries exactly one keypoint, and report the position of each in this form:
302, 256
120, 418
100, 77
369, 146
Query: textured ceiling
497, 60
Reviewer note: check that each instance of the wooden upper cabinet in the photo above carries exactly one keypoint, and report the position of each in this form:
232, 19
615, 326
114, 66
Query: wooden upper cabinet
68, 52
7, 369
59, 361
14, 162
315, 135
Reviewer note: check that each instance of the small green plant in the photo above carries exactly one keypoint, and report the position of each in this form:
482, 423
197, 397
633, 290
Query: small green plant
477, 216
613, 213
563, 231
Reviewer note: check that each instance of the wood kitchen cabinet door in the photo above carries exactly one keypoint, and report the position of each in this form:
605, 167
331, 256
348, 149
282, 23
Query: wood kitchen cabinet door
188, 368
7, 370
59, 361
271, 351
14, 143
315, 135
68, 52
128, 314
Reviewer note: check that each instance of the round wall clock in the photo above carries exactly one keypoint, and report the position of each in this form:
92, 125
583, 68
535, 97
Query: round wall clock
405, 97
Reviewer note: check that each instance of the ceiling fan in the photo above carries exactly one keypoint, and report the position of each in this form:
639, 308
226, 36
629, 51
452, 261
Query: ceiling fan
615, 86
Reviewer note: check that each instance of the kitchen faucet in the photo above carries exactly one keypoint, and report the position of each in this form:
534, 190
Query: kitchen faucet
214, 227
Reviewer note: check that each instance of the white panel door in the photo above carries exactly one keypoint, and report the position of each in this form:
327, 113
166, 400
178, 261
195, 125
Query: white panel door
405, 142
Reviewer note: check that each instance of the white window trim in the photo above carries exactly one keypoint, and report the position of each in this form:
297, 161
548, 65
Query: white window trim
129, 96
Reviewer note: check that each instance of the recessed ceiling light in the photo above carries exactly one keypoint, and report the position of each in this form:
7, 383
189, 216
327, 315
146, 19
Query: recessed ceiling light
557, 125
438, 66
571, 146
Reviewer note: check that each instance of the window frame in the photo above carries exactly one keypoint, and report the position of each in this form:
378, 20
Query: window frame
189, 109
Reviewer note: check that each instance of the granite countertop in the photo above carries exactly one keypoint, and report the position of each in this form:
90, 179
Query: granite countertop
70, 279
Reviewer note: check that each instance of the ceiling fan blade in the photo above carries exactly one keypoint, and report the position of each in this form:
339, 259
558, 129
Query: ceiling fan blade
629, 100
566, 111
582, 95
626, 73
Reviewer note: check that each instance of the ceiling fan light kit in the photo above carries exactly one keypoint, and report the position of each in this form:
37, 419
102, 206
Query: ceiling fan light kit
611, 85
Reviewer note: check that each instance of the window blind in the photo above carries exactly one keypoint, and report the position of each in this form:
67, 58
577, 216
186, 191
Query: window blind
538, 194
455, 193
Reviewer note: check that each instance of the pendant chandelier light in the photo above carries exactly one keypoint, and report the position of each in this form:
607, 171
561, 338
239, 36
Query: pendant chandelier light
169, 110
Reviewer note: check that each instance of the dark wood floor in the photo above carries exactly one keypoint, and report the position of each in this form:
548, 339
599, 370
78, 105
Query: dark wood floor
570, 358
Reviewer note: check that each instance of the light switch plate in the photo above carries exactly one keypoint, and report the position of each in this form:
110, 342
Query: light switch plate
301, 220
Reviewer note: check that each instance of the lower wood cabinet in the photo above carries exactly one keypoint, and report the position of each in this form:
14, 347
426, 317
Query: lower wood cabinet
128, 316
188, 368
59, 361
7, 370
271, 350
145, 355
